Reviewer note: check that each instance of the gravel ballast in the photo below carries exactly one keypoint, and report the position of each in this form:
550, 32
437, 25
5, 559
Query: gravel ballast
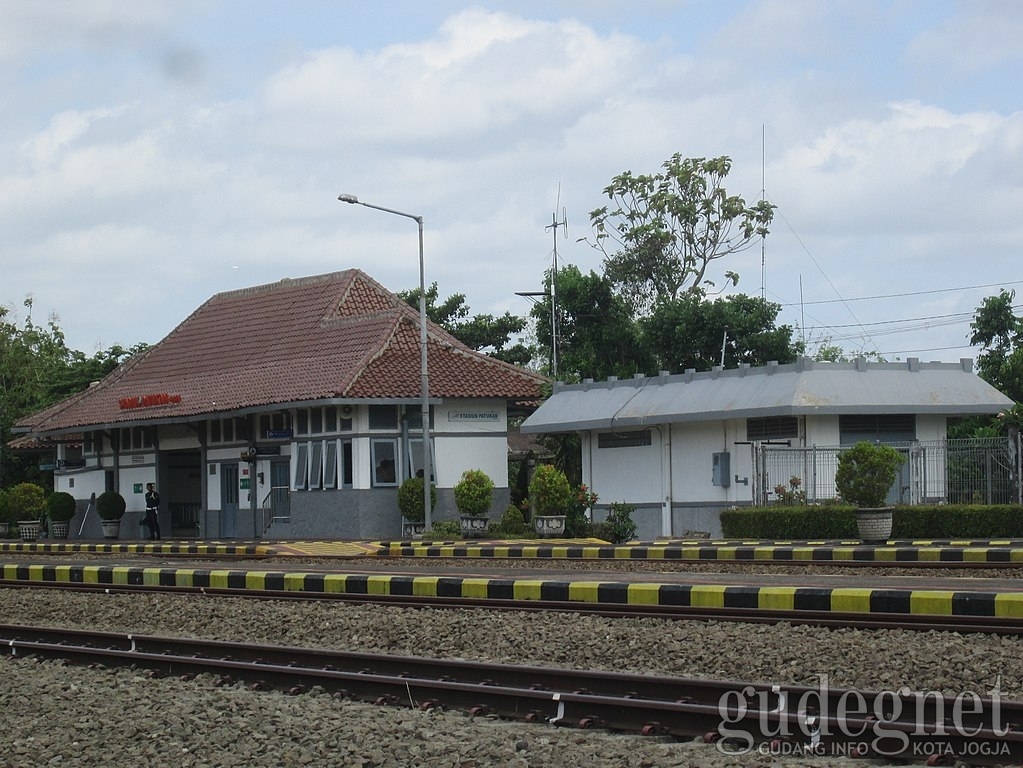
60, 715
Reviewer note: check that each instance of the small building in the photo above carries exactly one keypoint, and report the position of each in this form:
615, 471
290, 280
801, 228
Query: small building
284, 410
683, 447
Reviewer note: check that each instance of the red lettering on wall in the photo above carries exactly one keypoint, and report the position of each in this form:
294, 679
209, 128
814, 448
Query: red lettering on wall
148, 401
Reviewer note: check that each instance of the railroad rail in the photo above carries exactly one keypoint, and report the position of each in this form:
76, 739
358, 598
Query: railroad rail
1009, 626
738, 715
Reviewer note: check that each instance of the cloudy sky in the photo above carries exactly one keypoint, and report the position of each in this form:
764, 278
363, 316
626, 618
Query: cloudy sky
153, 154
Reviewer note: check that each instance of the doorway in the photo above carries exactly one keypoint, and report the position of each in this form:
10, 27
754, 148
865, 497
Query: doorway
228, 500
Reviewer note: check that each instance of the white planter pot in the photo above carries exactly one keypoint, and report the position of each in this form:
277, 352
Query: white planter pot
550, 526
473, 527
59, 530
874, 524
111, 528
28, 530
411, 530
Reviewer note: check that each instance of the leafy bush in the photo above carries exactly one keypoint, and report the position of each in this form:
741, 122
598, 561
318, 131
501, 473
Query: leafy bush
619, 526
27, 500
576, 523
6, 508
110, 505
442, 530
474, 493
60, 507
939, 521
410, 499
512, 522
866, 473
550, 491
792, 495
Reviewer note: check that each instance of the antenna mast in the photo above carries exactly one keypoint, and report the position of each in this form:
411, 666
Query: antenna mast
763, 194
554, 282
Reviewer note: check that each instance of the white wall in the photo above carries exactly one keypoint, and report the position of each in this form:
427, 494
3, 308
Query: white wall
470, 434
624, 474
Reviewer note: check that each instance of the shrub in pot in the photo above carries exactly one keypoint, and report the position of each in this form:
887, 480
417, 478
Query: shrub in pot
110, 506
551, 495
410, 500
28, 502
864, 476
474, 493
60, 508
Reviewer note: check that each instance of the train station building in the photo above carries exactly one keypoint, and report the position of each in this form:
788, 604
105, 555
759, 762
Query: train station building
682, 448
291, 409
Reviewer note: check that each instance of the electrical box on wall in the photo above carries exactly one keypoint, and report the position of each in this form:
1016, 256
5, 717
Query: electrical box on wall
721, 469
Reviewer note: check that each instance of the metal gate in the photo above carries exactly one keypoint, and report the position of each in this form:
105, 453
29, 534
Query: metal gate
970, 471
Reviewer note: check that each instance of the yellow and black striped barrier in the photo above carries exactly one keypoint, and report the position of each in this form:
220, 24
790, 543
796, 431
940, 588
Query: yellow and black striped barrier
212, 549
725, 551
938, 602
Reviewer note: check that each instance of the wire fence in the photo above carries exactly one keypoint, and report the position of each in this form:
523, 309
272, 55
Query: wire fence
969, 471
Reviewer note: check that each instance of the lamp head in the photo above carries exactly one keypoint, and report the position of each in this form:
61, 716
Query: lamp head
346, 198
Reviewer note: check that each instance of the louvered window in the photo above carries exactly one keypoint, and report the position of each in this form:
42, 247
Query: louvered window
772, 428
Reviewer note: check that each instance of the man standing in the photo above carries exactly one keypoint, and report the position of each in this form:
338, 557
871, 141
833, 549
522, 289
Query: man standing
152, 511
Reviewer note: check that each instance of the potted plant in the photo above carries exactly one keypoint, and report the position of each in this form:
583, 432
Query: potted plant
551, 495
474, 494
110, 506
60, 508
410, 502
28, 502
864, 476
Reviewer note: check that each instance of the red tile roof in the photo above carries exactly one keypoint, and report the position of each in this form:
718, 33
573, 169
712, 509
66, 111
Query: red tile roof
340, 335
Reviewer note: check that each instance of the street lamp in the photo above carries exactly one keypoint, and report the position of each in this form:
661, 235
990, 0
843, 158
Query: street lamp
423, 375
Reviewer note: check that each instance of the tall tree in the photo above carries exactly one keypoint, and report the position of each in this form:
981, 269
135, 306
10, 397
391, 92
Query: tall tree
690, 332
670, 226
37, 369
597, 333
1000, 332
484, 333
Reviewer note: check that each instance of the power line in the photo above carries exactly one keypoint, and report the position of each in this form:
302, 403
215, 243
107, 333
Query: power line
915, 293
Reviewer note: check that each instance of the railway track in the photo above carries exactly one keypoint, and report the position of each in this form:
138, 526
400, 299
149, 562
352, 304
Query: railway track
833, 619
737, 715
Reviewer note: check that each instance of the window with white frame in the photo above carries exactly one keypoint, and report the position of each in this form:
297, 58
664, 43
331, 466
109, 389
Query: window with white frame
384, 454
347, 464
301, 469
330, 464
315, 464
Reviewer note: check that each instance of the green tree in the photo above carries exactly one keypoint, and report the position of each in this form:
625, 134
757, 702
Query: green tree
598, 335
38, 369
484, 333
1000, 332
669, 227
689, 332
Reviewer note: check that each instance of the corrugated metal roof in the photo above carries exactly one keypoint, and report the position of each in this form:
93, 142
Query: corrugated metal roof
335, 336
801, 388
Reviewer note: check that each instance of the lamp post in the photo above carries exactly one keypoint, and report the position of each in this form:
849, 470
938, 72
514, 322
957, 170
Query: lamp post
423, 371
